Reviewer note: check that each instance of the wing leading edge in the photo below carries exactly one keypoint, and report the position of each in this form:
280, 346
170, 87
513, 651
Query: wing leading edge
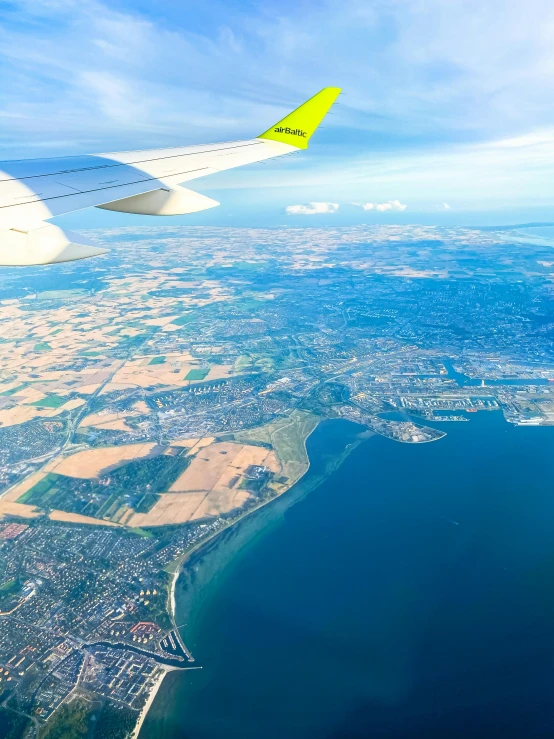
144, 182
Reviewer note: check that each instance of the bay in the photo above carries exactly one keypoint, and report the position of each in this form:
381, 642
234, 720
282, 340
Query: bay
399, 590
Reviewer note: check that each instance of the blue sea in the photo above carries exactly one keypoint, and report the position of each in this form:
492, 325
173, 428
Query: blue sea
399, 590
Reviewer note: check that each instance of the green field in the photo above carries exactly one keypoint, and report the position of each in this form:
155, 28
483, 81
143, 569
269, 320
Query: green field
246, 266
9, 586
14, 390
146, 503
157, 360
266, 364
243, 362
197, 374
42, 347
135, 485
182, 320
288, 437
70, 720
251, 304
142, 532
39, 488
50, 401
61, 294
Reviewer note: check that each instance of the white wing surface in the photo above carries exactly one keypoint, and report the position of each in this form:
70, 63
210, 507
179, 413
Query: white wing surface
145, 182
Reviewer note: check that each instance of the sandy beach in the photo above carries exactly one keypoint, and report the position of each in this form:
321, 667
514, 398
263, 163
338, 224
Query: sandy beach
146, 707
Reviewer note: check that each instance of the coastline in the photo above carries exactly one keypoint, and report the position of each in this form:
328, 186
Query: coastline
365, 434
203, 542
172, 606
406, 510
150, 700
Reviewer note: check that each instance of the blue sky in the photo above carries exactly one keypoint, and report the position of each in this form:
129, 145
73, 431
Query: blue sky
446, 101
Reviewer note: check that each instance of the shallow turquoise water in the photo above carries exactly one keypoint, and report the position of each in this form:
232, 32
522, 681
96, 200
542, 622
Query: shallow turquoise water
410, 594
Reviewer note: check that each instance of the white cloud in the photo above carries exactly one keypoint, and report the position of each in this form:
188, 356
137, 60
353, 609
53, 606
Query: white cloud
452, 71
389, 205
530, 139
445, 206
311, 209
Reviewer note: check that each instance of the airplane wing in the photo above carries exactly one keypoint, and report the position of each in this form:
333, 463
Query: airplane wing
144, 182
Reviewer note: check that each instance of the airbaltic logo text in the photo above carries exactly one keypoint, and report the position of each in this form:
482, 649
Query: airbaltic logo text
291, 131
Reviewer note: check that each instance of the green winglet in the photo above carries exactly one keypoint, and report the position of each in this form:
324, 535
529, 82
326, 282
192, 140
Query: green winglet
297, 127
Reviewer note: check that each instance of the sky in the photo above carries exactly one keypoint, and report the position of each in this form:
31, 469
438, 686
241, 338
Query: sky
448, 105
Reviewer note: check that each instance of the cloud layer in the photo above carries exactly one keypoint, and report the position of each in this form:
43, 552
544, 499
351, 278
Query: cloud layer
414, 70
443, 100
389, 205
311, 209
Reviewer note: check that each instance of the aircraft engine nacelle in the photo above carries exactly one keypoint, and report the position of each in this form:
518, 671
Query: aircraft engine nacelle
174, 201
44, 244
